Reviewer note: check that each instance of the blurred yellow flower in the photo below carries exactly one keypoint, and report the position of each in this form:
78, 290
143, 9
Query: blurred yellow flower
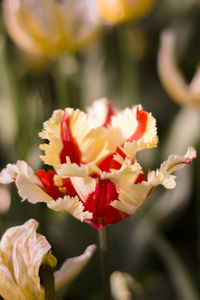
116, 11
22, 251
172, 78
50, 27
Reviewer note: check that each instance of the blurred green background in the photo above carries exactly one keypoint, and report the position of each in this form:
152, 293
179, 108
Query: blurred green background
160, 245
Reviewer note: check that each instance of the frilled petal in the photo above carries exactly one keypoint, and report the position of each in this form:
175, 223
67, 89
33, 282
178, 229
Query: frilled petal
72, 267
126, 175
71, 169
131, 198
136, 125
21, 254
52, 133
71, 205
70, 136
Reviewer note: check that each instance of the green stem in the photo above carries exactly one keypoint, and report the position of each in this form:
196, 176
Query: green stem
60, 85
103, 245
47, 280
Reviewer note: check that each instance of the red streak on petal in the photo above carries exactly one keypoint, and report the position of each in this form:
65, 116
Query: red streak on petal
99, 204
142, 117
70, 146
121, 152
109, 114
109, 163
70, 190
140, 178
48, 184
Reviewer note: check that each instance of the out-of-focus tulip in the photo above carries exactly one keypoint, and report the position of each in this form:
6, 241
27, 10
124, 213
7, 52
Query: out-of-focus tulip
96, 176
125, 287
4, 199
22, 252
116, 11
50, 27
172, 78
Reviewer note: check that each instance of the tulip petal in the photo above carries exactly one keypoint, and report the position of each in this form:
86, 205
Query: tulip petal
130, 199
72, 267
21, 254
100, 113
71, 205
9, 290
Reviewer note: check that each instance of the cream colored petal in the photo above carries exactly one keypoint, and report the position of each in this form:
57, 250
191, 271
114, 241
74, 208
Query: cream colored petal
172, 79
28, 184
148, 140
72, 267
73, 170
91, 142
51, 132
98, 112
29, 190
22, 251
9, 290
130, 199
71, 205
126, 121
8, 174
84, 186
125, 176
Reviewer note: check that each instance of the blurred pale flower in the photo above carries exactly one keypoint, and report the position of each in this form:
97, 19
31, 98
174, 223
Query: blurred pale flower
172, 78
4, 199
125, 287
96, 176
50, 27
116, 11
21, 254
22, 251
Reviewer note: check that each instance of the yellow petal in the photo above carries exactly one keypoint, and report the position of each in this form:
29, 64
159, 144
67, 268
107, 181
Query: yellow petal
116, 11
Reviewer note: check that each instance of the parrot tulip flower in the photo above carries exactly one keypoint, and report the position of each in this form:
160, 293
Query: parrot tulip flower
96, 175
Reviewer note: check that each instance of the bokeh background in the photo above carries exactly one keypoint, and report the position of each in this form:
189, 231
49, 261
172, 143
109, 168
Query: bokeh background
160, 245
